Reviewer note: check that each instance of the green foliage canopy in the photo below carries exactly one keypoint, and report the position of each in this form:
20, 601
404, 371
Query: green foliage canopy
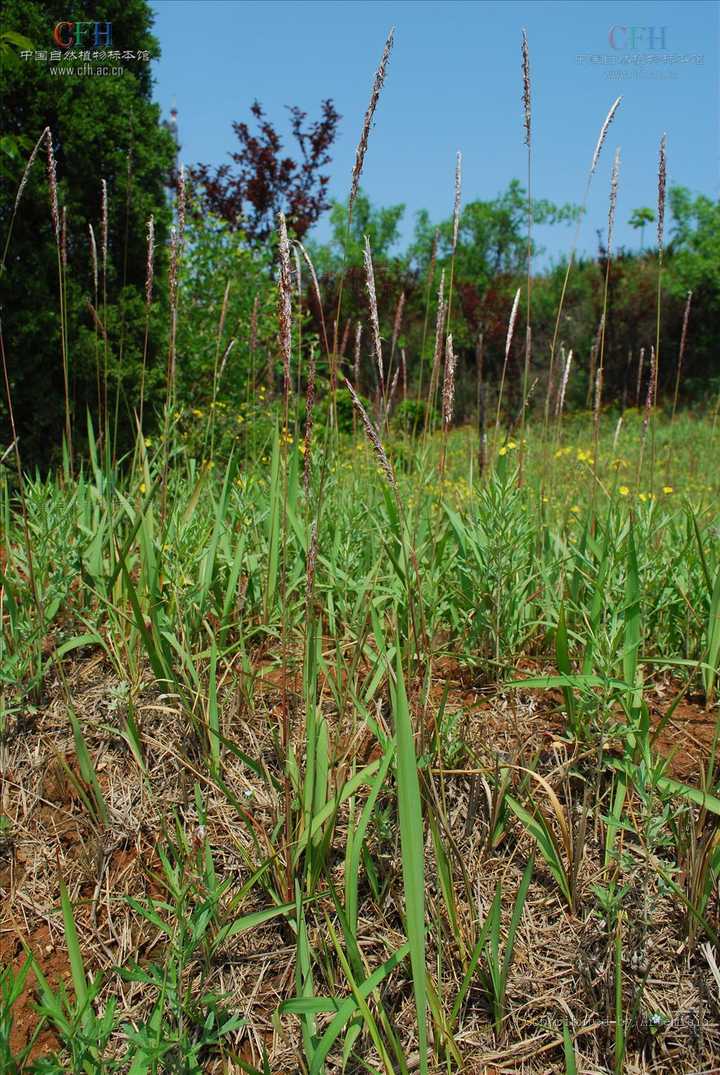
103, 127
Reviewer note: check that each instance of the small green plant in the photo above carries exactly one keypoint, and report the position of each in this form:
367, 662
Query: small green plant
487, 954
83, 1031
12, 985
182, 1026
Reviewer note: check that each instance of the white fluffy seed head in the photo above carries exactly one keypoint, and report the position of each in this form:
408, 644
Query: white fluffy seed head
526, 88
448, 396
285, 301
511, 324
52, 184
150, 260
456, 205
662, 180
367, 121
603, 133
94, 257
28, 167
374, 319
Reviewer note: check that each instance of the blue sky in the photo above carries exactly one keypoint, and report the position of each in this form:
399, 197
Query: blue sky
454, 83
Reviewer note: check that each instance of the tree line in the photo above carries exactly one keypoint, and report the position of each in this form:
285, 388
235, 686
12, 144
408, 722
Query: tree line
116, 168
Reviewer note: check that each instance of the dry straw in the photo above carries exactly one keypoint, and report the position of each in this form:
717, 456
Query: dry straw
367, 122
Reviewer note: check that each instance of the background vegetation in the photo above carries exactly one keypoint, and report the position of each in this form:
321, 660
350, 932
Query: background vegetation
108, 129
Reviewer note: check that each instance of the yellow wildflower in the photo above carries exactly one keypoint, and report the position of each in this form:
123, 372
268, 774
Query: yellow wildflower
143, 488
624, 491
667, 489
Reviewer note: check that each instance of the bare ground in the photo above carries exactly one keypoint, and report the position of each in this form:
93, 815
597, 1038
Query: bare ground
563, 967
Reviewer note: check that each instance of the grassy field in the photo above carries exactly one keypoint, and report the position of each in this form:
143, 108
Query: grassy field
411, 767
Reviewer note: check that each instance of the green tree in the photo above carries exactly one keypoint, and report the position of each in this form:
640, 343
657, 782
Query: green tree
694, 265
227, 301
345, 248
639, 218
103, 127
492, 236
